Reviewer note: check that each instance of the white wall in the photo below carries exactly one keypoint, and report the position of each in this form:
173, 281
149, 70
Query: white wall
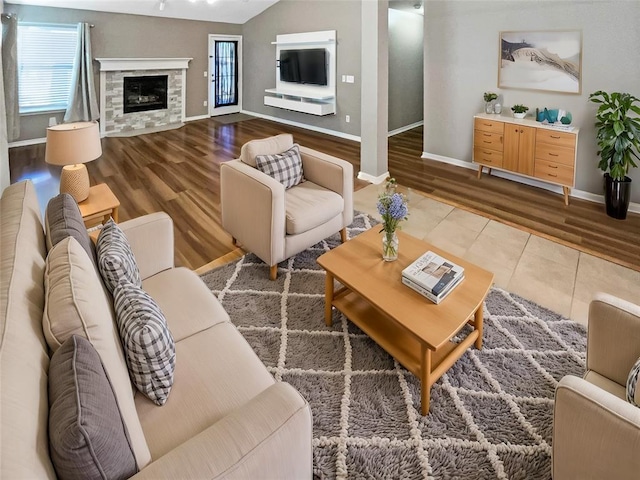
461, 62
406, 84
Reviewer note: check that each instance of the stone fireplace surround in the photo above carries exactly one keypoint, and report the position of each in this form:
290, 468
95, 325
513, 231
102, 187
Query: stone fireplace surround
113, 120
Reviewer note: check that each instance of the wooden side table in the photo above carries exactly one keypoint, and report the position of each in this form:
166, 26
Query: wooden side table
100, 205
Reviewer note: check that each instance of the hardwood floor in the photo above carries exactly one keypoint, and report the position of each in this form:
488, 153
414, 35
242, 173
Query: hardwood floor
177, 171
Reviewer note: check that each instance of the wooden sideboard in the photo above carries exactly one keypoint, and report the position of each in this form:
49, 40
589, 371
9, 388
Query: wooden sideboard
526, 147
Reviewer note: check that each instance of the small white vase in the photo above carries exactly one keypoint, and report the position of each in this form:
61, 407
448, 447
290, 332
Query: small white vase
519, 115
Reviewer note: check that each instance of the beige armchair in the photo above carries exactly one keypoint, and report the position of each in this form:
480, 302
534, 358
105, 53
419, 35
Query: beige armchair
596, 432
275, 223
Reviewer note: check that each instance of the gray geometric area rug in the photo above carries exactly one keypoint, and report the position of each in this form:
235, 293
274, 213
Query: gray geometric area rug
491, 414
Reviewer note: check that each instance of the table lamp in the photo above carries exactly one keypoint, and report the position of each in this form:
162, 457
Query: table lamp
72, 145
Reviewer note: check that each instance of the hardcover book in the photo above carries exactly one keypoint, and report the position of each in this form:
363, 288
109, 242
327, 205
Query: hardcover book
434, 298
433, 273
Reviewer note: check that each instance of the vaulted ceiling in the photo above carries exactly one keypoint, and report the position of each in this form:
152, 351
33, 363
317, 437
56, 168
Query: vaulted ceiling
227, 11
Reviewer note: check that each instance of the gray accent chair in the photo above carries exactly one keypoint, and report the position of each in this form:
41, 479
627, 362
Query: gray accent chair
596, 431
274, 223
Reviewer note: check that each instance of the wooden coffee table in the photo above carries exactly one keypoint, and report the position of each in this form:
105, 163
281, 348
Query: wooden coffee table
416, 332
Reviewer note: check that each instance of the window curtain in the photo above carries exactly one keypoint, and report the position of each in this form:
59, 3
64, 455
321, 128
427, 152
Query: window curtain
83, 103
10, 75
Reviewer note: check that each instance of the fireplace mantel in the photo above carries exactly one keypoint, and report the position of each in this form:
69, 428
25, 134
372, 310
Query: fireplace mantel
118, 64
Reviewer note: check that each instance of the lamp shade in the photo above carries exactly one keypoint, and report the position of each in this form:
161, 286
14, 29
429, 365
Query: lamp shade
73, 143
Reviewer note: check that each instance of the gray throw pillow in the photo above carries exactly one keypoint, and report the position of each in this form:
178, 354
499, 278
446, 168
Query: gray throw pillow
115, 258
87, 437
286, 167
63, 219
149, 347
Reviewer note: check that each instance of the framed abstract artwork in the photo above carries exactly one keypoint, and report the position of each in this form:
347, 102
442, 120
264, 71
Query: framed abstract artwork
541, 60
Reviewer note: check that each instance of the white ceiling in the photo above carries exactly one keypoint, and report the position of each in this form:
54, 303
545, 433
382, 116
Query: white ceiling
227, 11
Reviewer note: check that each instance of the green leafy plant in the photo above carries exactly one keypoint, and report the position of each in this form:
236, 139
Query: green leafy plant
618, 132
519, 108
489, 96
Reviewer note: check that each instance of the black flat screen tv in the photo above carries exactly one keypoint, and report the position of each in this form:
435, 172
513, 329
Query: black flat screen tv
307, 66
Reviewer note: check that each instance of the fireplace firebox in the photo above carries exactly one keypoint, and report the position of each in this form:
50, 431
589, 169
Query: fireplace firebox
145, 93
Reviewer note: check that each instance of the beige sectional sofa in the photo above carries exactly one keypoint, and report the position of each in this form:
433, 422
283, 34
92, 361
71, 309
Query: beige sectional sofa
226, 417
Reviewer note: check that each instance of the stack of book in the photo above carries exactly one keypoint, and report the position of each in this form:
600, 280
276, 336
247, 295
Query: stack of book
432, 276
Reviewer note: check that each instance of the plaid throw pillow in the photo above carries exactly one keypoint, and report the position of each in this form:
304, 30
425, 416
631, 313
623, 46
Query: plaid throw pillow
115, 258
633, 392
286, 167
149, 348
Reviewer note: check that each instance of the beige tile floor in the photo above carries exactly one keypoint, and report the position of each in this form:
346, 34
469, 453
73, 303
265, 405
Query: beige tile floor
560, 278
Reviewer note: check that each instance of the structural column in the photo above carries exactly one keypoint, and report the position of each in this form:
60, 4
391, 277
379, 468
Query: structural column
374, 166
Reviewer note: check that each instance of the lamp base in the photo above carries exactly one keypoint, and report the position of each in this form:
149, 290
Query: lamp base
74, 180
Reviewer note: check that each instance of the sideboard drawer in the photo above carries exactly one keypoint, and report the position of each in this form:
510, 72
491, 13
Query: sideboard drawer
487, 156
554, 153
488, 140
488, 125
554, 172
553, 137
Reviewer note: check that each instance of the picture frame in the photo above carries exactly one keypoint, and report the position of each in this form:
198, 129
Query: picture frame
548, 60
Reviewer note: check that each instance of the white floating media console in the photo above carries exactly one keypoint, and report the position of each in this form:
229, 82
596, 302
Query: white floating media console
305, 97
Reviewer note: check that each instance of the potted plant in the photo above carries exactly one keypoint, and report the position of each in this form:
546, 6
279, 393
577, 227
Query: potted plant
488, 98
618, 136
519, 110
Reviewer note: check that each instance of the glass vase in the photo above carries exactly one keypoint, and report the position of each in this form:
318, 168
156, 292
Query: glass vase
488, 107
390, 246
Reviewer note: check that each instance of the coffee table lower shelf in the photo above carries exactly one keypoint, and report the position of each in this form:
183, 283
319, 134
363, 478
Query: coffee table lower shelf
426, 363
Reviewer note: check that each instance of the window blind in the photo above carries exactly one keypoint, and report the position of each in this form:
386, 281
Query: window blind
45, 64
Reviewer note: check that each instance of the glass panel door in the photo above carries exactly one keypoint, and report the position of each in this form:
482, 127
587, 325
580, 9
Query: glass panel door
225, 73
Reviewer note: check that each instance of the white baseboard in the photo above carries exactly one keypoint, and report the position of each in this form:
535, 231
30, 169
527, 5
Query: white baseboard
405, 128
334, 133
581, 194
371, 179
25, 143
197, 117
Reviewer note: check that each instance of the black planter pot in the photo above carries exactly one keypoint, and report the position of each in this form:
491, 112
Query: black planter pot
617, 195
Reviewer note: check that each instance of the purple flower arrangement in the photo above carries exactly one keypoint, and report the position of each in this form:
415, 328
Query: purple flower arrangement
392, 207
